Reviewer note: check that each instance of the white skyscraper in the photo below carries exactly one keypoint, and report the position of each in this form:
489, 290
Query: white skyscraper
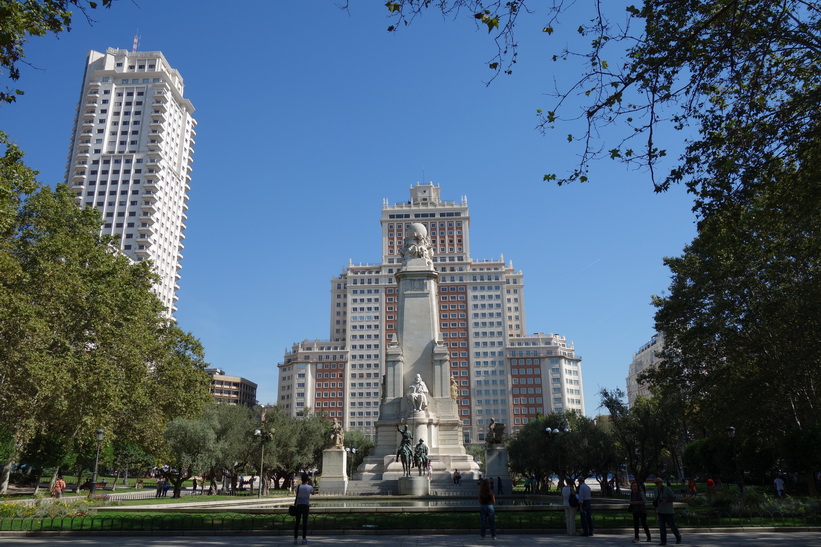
131, 154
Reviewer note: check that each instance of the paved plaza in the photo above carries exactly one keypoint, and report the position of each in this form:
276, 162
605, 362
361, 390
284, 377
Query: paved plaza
730, 538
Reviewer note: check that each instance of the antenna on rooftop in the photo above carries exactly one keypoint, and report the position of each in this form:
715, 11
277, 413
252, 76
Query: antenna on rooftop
136, 42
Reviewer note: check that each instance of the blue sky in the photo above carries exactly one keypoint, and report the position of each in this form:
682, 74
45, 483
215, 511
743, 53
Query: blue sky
309, 116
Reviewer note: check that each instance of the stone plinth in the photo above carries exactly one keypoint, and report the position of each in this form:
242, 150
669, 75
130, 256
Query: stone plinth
496, 466
413, 486
334, 479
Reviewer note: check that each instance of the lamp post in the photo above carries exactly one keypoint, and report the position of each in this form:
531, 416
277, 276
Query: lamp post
351, 452
552, 434
99, 435
264, 436
739, 474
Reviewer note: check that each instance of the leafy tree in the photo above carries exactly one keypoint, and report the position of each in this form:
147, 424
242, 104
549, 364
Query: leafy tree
643, 432
477, 451
740, 78
711, 457
362, 443
566, 445
801, 451
298, 441
189, 443
128, 455
85, 342
743, 314
230, 450
21, 19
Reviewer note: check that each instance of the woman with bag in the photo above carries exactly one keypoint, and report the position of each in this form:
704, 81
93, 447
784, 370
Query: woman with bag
638, 506
302, 503
487, 512
571, 504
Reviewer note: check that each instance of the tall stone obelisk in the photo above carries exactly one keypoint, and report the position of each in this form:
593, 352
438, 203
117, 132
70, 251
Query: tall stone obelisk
417, 388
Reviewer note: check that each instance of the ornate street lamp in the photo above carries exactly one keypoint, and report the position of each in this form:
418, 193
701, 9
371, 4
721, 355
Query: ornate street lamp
351, 452
739, 474
99, 435
552, 434
264, 437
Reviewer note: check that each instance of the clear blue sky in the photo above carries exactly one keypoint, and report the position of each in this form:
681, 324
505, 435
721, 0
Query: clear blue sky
308, 116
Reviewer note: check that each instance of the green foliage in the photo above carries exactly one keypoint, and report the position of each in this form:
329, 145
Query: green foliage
362, 443
743, 75
710, 457
6, 444
188, 441
47, 508
85, 342
642, 432
22, 19
574, 446
743, 315
298, 441
477, 451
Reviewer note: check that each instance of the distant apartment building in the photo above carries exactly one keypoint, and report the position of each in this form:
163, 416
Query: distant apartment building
547, 362
646, 358
500, 371
231, 390
130, 157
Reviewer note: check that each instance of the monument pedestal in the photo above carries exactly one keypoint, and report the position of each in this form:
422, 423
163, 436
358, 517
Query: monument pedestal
413, 486
334, 479
497, 459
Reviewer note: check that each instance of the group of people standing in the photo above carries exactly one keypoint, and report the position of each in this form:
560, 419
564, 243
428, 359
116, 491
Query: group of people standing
578, 501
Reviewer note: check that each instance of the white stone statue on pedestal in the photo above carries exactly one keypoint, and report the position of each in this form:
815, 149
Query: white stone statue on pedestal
418, 394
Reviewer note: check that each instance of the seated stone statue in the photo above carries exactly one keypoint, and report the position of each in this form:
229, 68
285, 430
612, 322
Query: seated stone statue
495, 433
418, 394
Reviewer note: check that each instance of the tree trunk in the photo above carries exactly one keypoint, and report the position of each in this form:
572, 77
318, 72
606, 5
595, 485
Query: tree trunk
79, 481
5, 474
37, 478
811, 486
53, 479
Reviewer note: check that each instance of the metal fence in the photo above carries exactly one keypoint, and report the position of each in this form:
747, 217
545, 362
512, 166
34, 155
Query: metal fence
446, 519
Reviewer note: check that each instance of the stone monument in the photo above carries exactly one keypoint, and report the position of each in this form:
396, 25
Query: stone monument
496, 457
334, 462
418, 391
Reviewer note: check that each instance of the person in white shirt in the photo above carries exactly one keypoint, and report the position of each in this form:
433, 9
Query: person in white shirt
569, 510
779, 486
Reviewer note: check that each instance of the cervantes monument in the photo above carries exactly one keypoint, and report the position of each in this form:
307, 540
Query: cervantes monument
416, 388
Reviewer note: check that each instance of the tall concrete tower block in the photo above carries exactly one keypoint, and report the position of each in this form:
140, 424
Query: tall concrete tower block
418, 390
131, 157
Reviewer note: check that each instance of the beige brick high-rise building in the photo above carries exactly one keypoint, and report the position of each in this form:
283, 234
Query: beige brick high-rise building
501, 372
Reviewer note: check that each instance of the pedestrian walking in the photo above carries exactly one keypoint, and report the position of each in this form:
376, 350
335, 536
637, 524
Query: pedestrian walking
59, 486
665, 512
638, 506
